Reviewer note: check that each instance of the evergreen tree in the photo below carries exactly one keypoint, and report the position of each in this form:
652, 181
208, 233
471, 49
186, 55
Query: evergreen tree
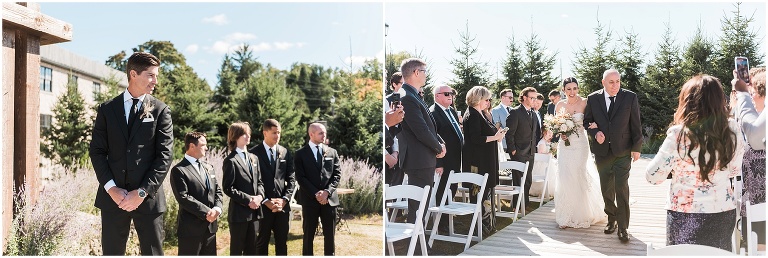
630, 62
537, 69
226, 97
117, 61
268, 96
591, 63
169, 56
355, 129
699, 55
737, 39
392, 65
468, 71
372, 69
313, 81
66, 141
663, 81
244, 63
512, 69
110, 91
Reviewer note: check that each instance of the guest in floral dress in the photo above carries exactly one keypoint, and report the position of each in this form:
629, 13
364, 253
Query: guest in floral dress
703, 151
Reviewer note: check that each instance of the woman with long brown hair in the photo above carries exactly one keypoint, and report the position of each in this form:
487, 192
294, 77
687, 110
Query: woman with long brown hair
703, 150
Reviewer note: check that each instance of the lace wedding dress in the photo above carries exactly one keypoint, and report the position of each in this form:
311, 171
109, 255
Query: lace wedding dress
578, 200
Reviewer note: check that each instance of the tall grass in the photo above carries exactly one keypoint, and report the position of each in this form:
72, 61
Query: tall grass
366, 180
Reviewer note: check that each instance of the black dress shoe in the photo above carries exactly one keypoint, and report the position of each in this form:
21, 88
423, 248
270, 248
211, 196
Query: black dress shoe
623, 235
610, 228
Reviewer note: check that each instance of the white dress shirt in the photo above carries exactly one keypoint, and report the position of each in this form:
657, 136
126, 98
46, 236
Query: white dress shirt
607, 100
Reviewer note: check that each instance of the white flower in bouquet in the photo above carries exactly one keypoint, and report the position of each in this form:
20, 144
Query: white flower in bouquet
569, 123
563, 127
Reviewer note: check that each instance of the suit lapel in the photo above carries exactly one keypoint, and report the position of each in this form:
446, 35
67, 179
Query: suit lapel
119, 109
601, 101
190, 168
239, 160
616, 103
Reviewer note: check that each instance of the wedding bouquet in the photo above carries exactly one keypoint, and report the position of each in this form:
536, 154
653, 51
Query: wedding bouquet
561, 123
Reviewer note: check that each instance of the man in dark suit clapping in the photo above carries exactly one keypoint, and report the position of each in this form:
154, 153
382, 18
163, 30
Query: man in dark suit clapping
420, 146
199, 196
318, 173
131, 150
521, 137
278, 178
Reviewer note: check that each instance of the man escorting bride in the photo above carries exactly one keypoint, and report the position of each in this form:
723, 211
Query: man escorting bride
611, 116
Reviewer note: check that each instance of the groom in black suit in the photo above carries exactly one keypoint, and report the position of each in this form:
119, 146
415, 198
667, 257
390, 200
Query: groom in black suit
616, 142
278, 178
318, 173
131, 150
200, 199
521, 138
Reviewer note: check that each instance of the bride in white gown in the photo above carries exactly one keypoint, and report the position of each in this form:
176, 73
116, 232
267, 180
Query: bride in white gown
578, 200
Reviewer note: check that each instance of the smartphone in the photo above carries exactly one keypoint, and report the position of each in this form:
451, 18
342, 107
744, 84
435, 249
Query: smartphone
395, 100
742, 68
505, 129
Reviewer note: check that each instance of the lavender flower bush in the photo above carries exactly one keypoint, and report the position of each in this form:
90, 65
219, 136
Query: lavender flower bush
366, 180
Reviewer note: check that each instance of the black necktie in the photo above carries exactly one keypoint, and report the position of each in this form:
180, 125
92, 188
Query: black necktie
610, 105
319, 155
455, 124
509, 110
132, 112
203, 174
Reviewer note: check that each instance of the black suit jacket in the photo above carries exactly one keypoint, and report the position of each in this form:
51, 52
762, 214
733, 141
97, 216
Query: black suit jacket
196, 197
278, 180
551, 108
621, 128
313, 177
419, 142
521, 135
133, 158
240, 183
452, 159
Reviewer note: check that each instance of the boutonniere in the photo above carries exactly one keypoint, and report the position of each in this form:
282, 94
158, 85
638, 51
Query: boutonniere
147, 110
325, 152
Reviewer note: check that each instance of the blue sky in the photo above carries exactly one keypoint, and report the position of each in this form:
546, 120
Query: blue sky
562, 27
281, 33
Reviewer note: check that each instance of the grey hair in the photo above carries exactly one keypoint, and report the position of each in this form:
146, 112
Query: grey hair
610, 71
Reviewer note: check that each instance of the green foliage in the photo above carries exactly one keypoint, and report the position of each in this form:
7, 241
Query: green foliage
170, 217
313, 80
662, 84
652, 146
226, 98
169, 56
111, 90
737, 39
468, 71
513, 69
268, 96
66, 141
392, 65
372, 69
538, 66
699, 55
630, 62
355, 129
591, 63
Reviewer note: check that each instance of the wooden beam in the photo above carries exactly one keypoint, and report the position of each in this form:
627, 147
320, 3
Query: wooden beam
50, 30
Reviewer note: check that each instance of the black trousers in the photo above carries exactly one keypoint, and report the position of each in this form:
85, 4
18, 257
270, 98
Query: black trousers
418, 177
614, 173
198, 245
116, 225
517, 175
277, 222
327, 215
243, 237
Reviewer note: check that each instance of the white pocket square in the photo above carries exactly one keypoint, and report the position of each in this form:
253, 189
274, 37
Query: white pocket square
148, 119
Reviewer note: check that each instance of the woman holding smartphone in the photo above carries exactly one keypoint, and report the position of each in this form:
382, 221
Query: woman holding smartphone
480, 151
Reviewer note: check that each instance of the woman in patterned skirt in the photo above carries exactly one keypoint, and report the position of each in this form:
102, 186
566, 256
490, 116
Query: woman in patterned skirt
703, 150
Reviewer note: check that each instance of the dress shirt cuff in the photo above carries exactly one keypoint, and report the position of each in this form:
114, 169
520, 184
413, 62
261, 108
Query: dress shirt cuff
109, 185
217, 209
286, 198
264, 201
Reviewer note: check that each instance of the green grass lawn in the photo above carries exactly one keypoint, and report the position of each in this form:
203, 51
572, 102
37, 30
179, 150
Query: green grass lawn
364, 239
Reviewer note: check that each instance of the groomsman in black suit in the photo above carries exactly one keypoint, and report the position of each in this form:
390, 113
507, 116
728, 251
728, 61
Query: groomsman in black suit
420, 146
278, 178
199, 195
447, 123
554, 97
521, 138
318, 173
242, 183
131, 150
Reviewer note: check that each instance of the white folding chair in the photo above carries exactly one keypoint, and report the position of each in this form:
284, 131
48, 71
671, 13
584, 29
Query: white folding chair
452, 208
541, 178
755, 213
398, 205
687, 250
399, 231
295, 206
507, 192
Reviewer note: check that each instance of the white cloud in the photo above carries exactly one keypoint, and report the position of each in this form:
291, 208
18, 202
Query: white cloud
219, 19
287, 45
263, 46
239, 36
191, 49
564, 15
221, 47
335, 23
357, 61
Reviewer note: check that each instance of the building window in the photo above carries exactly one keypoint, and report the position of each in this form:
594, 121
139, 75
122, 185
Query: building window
46, 75
45, 122
96, 89
73, 78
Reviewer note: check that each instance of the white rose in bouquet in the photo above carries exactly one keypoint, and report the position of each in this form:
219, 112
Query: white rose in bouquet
569, 123
563, 127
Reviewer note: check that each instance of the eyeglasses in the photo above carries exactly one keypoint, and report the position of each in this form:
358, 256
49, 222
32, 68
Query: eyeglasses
421, 93
488, 100
447, 93
510, 97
